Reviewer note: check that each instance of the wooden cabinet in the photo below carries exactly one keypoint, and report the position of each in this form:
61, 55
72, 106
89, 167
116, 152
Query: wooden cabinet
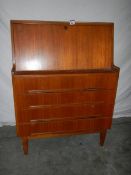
64, 80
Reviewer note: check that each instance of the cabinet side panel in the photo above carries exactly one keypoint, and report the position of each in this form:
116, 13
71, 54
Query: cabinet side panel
22, 130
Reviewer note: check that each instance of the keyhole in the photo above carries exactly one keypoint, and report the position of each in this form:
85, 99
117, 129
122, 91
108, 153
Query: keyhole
65, 27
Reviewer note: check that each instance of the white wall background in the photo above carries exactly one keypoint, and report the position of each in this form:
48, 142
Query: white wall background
117, 11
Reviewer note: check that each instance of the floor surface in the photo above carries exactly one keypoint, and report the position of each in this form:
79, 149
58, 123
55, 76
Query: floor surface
74, 155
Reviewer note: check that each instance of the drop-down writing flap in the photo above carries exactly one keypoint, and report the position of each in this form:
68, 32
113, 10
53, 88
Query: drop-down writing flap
60, 46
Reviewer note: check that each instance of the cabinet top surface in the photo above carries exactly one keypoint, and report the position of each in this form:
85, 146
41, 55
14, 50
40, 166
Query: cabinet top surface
45, 46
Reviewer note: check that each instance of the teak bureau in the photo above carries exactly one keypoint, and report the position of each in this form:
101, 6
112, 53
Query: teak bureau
64, 79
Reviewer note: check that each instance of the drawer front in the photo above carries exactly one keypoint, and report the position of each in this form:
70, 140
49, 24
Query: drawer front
37, 100
61, 112
30, 83
61, 126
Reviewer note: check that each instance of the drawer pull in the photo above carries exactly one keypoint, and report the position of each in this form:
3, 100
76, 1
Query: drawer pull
64, 105
92, 89
66, 118
64, 90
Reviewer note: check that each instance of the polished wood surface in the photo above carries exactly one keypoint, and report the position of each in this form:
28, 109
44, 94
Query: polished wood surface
64, 80
50, 100
74, 125
64, 103
28, 83
61, 46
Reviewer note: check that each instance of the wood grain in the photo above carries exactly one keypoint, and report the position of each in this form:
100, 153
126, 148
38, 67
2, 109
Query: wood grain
70, 125
25, 83
66, 98
60, 46
82, 110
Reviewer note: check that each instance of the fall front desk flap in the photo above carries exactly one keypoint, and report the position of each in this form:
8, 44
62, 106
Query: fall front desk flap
61, 46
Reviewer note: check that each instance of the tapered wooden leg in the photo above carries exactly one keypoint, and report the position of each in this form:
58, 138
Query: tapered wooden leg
25, 145
102, 137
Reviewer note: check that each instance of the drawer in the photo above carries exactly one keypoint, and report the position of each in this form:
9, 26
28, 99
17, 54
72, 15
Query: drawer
65, 126
68, 111
36, 100
29, 83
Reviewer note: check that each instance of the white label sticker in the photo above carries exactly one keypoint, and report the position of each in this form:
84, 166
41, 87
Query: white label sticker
72, 22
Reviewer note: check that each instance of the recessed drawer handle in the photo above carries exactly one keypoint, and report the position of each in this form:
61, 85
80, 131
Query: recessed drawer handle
65, 119
91, 89
38, 91
65, 105
63, 90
